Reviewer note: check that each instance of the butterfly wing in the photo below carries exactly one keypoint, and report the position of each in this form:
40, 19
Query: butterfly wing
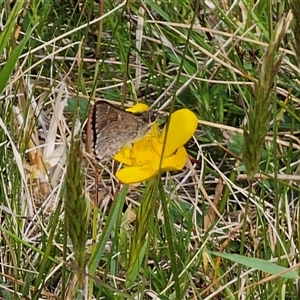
115, 128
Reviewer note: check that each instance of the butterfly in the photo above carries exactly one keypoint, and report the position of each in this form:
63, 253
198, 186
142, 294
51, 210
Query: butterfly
115, 128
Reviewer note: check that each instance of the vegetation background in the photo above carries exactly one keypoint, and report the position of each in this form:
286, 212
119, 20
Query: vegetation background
225, 227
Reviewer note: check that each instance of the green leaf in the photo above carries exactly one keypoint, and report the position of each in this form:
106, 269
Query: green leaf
9, 26
258, 264
11, 62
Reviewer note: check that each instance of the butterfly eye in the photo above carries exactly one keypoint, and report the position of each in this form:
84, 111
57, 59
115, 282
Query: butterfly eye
153, 117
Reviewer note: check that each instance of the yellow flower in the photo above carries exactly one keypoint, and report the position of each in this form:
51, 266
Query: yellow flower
143, 158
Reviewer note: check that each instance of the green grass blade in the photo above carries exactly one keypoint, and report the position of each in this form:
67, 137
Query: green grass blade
10, 24
258, 264
8, 68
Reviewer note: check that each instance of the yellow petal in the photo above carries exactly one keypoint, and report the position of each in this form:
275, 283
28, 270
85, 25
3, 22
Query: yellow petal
140, 153
138, 108
136, 173
140, 173
143, 152
124, 155
182, 126
176, 161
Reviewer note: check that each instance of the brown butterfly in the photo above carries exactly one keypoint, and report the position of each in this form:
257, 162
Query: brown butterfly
114, 128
